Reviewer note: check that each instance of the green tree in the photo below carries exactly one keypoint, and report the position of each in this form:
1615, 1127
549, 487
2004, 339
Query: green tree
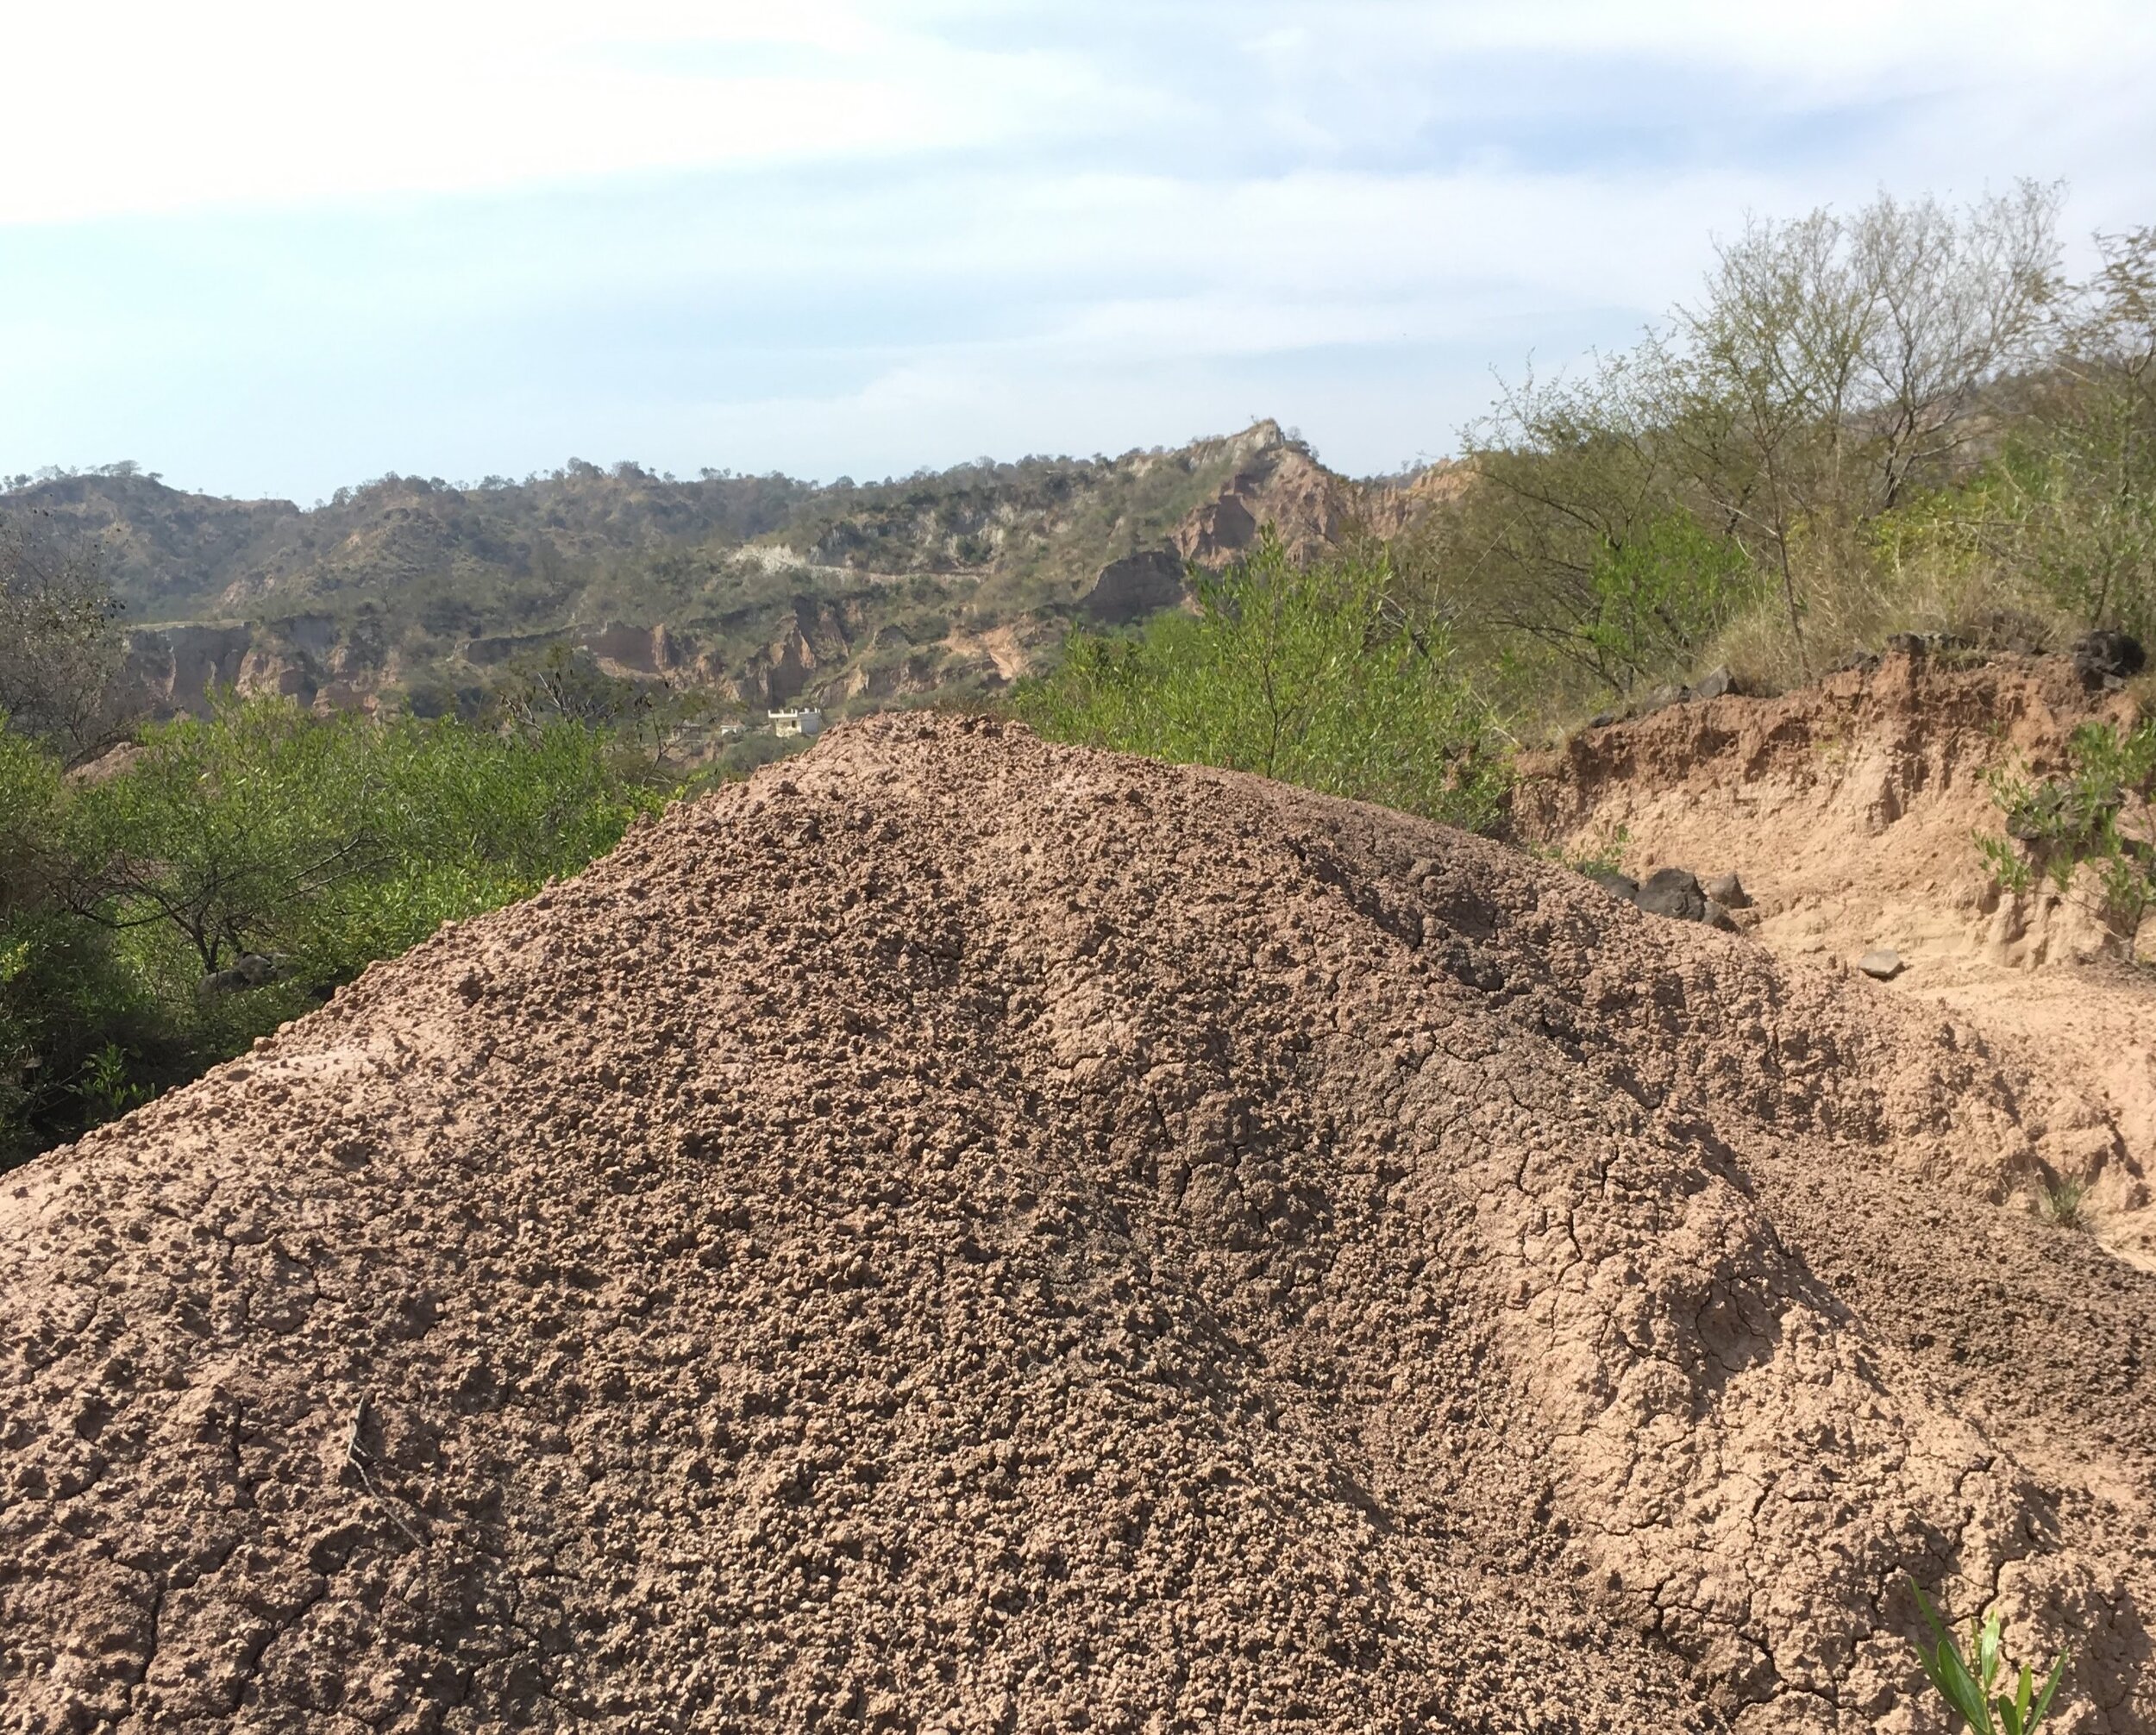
2079, 482
59, 648
226, 834
565, 684
66, 999
1577, 544
236, 869
1832, 366
325, 843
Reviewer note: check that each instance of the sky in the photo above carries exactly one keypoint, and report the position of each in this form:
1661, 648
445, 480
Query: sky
270, 249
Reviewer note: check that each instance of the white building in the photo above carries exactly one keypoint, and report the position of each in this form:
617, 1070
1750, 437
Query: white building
785, 723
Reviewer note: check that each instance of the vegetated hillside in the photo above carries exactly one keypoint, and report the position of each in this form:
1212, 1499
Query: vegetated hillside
958, 1233
757, 589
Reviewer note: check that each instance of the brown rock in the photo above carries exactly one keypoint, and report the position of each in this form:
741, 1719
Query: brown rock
1728, 891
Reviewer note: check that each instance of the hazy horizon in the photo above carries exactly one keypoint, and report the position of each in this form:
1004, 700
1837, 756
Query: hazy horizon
269, 254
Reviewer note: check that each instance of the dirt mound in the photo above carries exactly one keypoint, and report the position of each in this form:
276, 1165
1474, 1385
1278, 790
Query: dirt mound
1848, 810
961, 1234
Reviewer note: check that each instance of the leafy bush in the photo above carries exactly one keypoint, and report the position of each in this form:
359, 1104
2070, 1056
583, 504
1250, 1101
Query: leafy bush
1314, 675
66, 999
326, 842
237, 869
2098, 812
2079, 498
1657, 600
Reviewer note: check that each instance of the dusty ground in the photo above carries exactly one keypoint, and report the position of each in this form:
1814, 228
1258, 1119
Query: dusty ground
1848, 809
959, 1234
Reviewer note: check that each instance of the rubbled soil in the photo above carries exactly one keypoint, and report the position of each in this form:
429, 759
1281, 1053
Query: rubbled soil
960, 1234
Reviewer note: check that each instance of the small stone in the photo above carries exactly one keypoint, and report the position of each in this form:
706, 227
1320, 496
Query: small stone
1617, 884
1718, 916
1728, 891
1881, 964
1712, 685
1673, 893
2101, 657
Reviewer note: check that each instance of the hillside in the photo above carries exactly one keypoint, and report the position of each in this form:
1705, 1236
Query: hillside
758, 589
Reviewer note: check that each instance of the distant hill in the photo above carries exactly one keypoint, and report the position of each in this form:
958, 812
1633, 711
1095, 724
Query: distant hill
760, 590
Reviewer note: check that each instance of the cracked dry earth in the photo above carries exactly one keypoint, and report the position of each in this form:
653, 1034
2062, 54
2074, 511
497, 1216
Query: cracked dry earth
961, 1234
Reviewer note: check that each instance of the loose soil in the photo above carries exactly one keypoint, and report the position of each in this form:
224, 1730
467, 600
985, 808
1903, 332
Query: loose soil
961, 1234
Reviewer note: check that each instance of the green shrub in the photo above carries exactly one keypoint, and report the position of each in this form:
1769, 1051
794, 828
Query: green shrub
317, 844
2098, 812
1606, 857
2063, 1203
326, 842
68, 1000
1315, 675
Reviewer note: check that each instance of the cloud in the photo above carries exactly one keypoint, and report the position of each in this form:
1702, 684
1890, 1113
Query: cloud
151, 107
281, 246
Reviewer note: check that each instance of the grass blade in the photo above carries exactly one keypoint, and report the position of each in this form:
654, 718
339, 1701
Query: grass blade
1947, 1671
2043, 1702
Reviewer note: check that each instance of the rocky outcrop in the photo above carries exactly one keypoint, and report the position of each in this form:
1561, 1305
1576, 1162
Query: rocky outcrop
1279, 483
635, 649
411, 587
1135, 586
1276, 485
172, 671
178, 668
2105, 659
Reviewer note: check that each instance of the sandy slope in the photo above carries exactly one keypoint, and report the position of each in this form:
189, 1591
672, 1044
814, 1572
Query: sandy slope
961, 1234
1848, 809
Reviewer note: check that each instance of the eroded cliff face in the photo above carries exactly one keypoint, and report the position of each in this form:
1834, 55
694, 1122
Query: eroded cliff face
1850, 811
413, 592
825, 654
178, 668
1279, 485
1276, 485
